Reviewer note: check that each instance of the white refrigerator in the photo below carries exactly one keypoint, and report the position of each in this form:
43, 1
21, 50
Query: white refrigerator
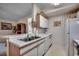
72, 32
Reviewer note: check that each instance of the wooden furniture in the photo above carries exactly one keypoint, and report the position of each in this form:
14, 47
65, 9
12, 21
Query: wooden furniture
13, 50
21, 28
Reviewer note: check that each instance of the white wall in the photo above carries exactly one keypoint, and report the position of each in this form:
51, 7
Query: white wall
58, 32
14, 23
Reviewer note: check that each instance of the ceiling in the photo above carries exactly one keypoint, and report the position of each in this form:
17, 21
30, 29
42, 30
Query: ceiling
53, 10
50, 6
15, 11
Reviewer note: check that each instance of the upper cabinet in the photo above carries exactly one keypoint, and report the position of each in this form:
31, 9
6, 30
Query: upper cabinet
40, 22
39, 18
43, 22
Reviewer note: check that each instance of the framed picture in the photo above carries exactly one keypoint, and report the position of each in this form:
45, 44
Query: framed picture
6, 26
57, 23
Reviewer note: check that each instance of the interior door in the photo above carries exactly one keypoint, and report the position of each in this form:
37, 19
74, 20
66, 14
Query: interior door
21, 28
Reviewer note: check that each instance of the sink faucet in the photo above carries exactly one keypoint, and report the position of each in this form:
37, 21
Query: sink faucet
29, 35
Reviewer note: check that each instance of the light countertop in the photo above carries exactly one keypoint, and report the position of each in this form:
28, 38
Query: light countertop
14, 39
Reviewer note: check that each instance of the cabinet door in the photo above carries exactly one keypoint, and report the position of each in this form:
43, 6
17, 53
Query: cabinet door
46, 23
41, 49
32, 52
43, 22
50, 37
46, 45
48, 42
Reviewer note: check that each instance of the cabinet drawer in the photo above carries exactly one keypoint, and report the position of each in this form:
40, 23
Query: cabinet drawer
27, 48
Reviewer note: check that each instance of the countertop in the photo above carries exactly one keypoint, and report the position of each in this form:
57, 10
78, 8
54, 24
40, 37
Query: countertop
19, 43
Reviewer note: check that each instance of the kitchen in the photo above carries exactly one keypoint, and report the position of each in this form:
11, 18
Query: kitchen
42, 29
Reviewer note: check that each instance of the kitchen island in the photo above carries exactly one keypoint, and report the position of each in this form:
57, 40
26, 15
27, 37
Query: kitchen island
36, 47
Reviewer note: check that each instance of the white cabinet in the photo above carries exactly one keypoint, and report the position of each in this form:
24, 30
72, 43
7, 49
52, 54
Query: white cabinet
33, 52
41, 49
48, 42
51, 42
43, 22
46, 45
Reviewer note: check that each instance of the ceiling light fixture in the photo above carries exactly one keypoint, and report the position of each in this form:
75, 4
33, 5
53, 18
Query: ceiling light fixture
55, 4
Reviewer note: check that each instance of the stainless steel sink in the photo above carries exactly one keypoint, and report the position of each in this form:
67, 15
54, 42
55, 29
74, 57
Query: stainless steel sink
30, 38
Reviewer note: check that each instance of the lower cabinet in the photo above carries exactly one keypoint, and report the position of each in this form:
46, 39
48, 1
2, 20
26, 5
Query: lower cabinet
36, 49
50, 37
48, 42
41, 49
33, 52
46, 45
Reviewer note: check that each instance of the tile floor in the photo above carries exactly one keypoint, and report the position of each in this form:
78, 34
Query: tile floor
56, 50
